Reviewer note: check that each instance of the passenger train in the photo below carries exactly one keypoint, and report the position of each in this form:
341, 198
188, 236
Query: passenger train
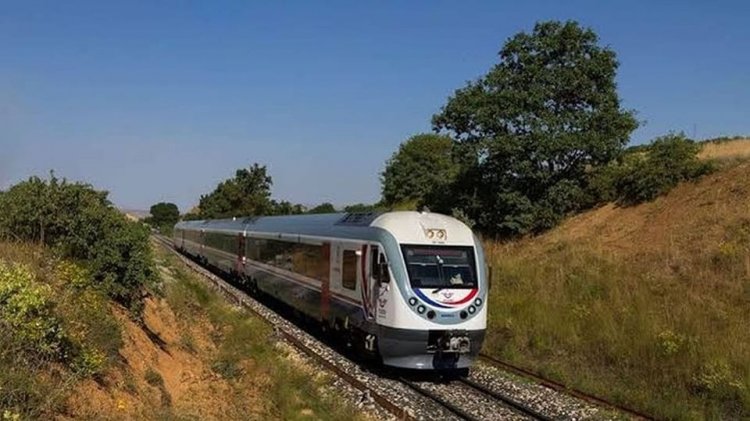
407, 287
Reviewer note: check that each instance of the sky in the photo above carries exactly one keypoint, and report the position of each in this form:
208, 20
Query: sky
160, 100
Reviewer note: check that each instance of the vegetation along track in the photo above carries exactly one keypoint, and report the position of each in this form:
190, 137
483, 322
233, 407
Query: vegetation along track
404, 398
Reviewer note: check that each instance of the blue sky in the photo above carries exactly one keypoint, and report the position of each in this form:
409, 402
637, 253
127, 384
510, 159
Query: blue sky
161, 100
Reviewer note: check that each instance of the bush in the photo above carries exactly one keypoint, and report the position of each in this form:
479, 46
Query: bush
648, 171
80, 223
27, 312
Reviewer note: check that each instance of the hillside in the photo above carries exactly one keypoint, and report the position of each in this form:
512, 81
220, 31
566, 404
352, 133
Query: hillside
191, 356
647, 305
734, 149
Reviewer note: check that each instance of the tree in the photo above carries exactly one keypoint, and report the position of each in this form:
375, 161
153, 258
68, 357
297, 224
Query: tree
247, 194
532, 129
163, 216
287, 208
323, 208
362, 207
422, 164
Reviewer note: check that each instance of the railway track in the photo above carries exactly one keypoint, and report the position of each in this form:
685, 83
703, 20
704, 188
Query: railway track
559, 387
473, 401
462, 398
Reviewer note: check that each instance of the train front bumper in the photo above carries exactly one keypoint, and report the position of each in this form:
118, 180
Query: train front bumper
429, 349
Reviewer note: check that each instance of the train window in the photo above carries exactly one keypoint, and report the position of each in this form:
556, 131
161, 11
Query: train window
306, 260
349, 270
252, 248
440, 266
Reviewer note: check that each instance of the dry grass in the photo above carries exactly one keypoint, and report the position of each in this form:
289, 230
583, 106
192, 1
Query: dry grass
647, 305
737, 149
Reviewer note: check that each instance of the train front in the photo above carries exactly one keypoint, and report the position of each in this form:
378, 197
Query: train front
432, 313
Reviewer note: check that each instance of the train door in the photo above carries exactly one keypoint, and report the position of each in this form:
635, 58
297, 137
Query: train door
240, 263
377, 275
346, 273
325, 281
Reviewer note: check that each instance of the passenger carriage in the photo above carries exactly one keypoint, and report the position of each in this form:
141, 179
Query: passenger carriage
407, 286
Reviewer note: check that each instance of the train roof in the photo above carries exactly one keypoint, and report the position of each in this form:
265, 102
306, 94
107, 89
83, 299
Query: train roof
367, 226
327, 224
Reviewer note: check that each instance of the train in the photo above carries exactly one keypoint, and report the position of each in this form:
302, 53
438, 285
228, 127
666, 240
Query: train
409, 288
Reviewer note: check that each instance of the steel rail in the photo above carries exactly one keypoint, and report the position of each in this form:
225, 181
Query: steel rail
517, 406
443, 402
560, 387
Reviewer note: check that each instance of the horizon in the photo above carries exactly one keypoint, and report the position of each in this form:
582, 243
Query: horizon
162, 102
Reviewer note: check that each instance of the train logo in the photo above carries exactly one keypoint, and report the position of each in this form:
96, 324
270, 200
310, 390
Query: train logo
447, 299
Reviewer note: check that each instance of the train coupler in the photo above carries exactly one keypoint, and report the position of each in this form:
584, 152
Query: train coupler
454, 341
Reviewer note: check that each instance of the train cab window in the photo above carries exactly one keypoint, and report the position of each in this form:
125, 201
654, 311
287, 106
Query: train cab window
440, 266
349, 270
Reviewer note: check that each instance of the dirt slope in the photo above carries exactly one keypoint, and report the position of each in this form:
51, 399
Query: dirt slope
187, 385
692, 218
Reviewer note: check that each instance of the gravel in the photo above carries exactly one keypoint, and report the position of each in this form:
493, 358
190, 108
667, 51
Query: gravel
547, 401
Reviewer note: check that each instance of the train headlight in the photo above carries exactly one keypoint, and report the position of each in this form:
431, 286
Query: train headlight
430, 314
412, 301
472, 309
421, 309
478, 302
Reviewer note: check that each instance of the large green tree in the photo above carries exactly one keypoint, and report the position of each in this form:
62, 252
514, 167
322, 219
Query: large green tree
532, 128
247, 194
163, 215
422, 164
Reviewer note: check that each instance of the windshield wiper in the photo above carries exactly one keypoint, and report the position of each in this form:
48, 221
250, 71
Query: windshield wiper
435, 291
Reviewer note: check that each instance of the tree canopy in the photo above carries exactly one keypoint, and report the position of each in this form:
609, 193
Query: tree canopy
323, 208
532, 128
422, 164
163, 216
247, 194
82, 224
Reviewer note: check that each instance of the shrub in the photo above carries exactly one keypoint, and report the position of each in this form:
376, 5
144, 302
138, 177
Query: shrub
80, 223
645, 172
27, 310
669, 160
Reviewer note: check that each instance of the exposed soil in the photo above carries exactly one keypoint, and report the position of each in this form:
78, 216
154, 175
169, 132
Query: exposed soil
189, 388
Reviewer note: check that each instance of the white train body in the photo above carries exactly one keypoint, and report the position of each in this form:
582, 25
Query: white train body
409, 286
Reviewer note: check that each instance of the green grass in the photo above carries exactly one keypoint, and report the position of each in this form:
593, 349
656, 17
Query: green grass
670, 338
